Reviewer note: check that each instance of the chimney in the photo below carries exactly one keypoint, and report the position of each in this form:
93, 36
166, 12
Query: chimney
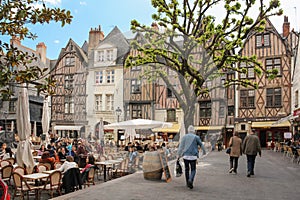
15, 41
286, 27
41, 50
95, 35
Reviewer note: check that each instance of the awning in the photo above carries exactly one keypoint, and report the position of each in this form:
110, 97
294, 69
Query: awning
207, 128
284, 119
270, 124
173, 129
66, 128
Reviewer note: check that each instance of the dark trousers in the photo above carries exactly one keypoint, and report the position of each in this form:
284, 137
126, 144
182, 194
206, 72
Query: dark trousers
234, 161
190, 164
250, 163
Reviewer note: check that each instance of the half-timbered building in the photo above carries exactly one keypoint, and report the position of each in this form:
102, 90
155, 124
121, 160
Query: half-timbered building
261, 109
68, 104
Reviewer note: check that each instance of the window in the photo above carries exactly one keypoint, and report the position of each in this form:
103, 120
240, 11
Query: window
247, 98
70, 61
98, 102
273, 63
250, 71
243, 127
171, 115
296, 99
274, 97
205, 109
222, 109
69, 104
135, 86
100, 56
136, 111
69, 81
110, 102
263, 40
136, 68
11, 106
99, 77
170, 93
230, 110
109, 55
110, 76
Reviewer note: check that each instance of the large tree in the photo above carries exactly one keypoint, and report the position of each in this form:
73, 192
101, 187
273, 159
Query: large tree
187, 38
15, 65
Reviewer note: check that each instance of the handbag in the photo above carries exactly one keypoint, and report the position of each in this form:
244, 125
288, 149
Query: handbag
228, 150
178, 168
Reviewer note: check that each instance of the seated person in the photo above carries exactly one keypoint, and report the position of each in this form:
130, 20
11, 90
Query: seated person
47, 159
90, 160
68, 164
62, 154
42, 150
50, 150
2, 150
74, 154
8, 154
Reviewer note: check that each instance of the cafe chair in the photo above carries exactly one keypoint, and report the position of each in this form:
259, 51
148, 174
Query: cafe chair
53, 183
22, 188
6, 173
11, 160
42, 167
57, 165
20, 170
90, 179
48, 165
4, 163
4, 195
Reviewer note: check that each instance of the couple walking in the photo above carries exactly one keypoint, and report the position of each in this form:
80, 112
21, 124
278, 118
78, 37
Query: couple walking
251, 147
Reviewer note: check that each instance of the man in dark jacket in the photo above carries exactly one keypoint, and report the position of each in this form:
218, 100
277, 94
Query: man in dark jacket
251, 146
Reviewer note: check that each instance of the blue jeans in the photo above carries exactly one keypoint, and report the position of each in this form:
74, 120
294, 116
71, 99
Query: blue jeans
190, 164
250, 163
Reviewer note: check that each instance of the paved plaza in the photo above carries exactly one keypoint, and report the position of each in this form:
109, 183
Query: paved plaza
275, 178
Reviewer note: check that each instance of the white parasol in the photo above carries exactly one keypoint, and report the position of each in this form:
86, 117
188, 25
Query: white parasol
24, 155
45, 120
34, 129
12, 127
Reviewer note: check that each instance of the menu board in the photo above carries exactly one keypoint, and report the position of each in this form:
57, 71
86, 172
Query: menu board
165, 167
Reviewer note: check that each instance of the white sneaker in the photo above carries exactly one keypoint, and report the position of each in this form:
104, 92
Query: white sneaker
231, 170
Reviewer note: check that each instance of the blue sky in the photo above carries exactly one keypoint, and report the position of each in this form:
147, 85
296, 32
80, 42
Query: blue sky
109, 13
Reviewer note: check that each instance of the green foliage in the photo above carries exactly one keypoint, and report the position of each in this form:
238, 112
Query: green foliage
17, 66
189, 40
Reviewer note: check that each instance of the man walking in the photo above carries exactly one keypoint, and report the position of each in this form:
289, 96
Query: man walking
188, 148
251, 147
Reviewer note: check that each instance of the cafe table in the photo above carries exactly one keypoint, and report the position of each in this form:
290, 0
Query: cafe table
107, 163
50, 171
35, 176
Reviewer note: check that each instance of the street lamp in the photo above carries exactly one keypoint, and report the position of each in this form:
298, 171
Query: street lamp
118, 113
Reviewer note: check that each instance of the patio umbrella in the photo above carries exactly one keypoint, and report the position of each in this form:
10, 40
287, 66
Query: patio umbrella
45, 120
24, 155
138, 124
130, 133
12, 127
34, 129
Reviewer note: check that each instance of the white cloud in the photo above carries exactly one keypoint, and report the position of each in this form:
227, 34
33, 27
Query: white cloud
53, 2
56, 41
83, 3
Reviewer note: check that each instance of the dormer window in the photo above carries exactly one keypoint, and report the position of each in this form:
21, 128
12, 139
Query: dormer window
263, 40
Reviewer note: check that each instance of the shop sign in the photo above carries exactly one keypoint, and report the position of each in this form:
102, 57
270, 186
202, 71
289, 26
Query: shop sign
287, 135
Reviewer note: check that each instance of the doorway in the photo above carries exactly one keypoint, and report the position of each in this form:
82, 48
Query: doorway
263, 138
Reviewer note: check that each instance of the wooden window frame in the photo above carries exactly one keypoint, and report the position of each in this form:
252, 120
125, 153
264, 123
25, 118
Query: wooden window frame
274, 64
273, 96
247, 100
264, 40
205, 109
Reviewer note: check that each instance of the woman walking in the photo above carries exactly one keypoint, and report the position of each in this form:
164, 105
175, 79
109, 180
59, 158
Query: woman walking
236, 150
